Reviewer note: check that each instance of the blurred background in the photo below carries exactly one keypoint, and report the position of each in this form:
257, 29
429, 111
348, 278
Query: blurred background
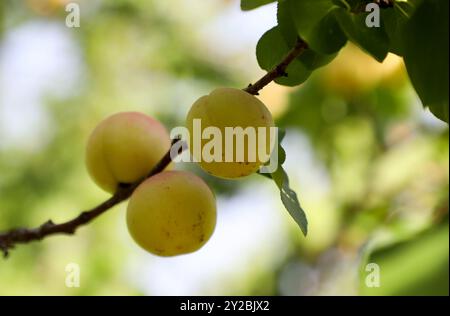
369, 165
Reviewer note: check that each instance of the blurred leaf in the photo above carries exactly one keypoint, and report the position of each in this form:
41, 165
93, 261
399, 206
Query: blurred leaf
253, 4
2, 17
426, 53
271, 49
373, 40
415, 267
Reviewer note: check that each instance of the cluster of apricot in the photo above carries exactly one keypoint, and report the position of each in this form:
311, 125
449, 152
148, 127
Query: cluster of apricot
172, 212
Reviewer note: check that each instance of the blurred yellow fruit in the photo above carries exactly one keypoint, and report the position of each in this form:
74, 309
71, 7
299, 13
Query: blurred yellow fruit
47, 7
276, 98
354, 72
236, 109
124, 148
172, 213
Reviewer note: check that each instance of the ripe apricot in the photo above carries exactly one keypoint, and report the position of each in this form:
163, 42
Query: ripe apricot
227, 109
172, 213
124, 148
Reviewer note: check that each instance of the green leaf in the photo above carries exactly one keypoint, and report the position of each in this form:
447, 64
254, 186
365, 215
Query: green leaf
247, 5
309, 58
313, 60
328, 37
394, 20
373, 40
418, 266
290, 200
288, 196
440, 110
281, 152
316, 23
271, 49
286, 23
307, 14
426, 51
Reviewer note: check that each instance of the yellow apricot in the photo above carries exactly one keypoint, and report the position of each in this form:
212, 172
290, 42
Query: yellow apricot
226, 108
354, 72
172, 213
124, 148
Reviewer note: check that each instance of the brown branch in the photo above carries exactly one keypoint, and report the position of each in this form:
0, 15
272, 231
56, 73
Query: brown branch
279, 70
9, 239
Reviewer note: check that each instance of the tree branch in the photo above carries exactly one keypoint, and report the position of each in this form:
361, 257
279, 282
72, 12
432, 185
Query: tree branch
15, 236
280, 69
9, 239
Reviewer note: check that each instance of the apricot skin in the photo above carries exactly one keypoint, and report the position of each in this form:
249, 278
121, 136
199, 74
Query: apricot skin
124, 148
172, 213
228, 107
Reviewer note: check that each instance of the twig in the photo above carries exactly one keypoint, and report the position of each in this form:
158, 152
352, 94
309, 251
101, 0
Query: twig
9, 239
279, 70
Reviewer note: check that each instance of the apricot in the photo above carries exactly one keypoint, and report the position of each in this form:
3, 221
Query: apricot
225, 109
354, 73
124, 148
172, 213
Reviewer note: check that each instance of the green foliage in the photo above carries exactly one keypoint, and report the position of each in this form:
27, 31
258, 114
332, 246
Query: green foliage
271, 49
373, 40
315, 22
310, 58
288, 196
414, 267
417, 30
313, 60
394, 21
426, 53
290, 200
